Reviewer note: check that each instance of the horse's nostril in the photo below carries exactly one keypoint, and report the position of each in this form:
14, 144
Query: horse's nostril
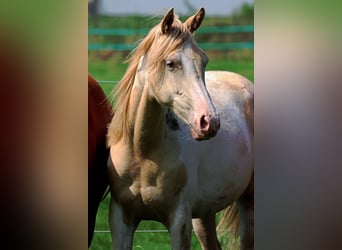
204, 122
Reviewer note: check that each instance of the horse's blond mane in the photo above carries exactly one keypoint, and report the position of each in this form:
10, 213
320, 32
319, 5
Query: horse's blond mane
163, 45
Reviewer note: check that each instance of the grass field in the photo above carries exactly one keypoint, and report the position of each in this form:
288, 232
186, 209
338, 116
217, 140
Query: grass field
110, 66
142, 240
112, 69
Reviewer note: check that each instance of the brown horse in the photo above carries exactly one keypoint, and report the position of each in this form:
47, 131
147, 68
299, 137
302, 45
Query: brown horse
99, 116
181, 142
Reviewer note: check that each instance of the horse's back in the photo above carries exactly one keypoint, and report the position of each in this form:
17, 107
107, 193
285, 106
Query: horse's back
231, 92
230, 83
99, 116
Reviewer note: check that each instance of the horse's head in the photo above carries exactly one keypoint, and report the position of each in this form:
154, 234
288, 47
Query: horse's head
173, 67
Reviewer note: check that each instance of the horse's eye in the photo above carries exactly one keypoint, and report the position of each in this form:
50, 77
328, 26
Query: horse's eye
171, 65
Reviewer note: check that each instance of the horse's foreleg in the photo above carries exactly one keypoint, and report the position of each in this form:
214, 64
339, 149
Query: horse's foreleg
205, 230
122, 229
246, 216
180, 228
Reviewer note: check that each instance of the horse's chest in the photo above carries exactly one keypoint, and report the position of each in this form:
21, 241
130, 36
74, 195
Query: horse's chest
148, 184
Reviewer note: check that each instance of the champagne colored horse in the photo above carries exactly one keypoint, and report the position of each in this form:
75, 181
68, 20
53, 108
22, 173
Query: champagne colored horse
181, 141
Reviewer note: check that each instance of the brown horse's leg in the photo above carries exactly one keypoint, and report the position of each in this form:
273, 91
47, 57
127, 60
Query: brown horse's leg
97, 185
205, 230
246, 214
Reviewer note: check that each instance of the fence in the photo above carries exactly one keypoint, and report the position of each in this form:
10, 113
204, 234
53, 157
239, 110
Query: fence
139, 231
141, 32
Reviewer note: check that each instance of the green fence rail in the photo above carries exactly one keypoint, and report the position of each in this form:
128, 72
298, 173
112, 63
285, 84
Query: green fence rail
142, 32
205, 46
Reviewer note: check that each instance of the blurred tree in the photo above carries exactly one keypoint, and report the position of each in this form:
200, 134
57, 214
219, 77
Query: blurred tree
245, 14
247, 10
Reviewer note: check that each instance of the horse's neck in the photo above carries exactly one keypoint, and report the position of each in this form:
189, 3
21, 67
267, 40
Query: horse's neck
147, 120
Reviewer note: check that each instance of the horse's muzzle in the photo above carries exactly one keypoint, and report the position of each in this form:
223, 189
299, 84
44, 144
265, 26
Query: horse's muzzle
206, 128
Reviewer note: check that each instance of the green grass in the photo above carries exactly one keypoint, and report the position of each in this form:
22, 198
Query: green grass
113, 68
142, 240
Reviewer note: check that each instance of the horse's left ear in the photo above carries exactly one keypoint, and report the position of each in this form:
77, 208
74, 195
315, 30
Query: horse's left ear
167, 21
194, 22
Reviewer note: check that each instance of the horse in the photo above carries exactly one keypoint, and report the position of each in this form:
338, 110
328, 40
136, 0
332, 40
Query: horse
99, 117
181, 141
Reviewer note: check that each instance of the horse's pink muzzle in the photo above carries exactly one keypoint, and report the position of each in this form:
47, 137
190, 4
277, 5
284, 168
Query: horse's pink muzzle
206, 127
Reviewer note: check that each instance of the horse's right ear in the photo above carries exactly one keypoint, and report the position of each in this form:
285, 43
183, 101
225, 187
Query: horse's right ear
194, 22
167, 21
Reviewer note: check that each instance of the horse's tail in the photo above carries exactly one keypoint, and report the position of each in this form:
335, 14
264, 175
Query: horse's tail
229, 221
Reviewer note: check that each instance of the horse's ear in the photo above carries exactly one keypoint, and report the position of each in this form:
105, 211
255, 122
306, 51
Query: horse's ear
167, 21
194, 22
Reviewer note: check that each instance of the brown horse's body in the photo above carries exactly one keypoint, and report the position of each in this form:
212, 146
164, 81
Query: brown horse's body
99, 116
